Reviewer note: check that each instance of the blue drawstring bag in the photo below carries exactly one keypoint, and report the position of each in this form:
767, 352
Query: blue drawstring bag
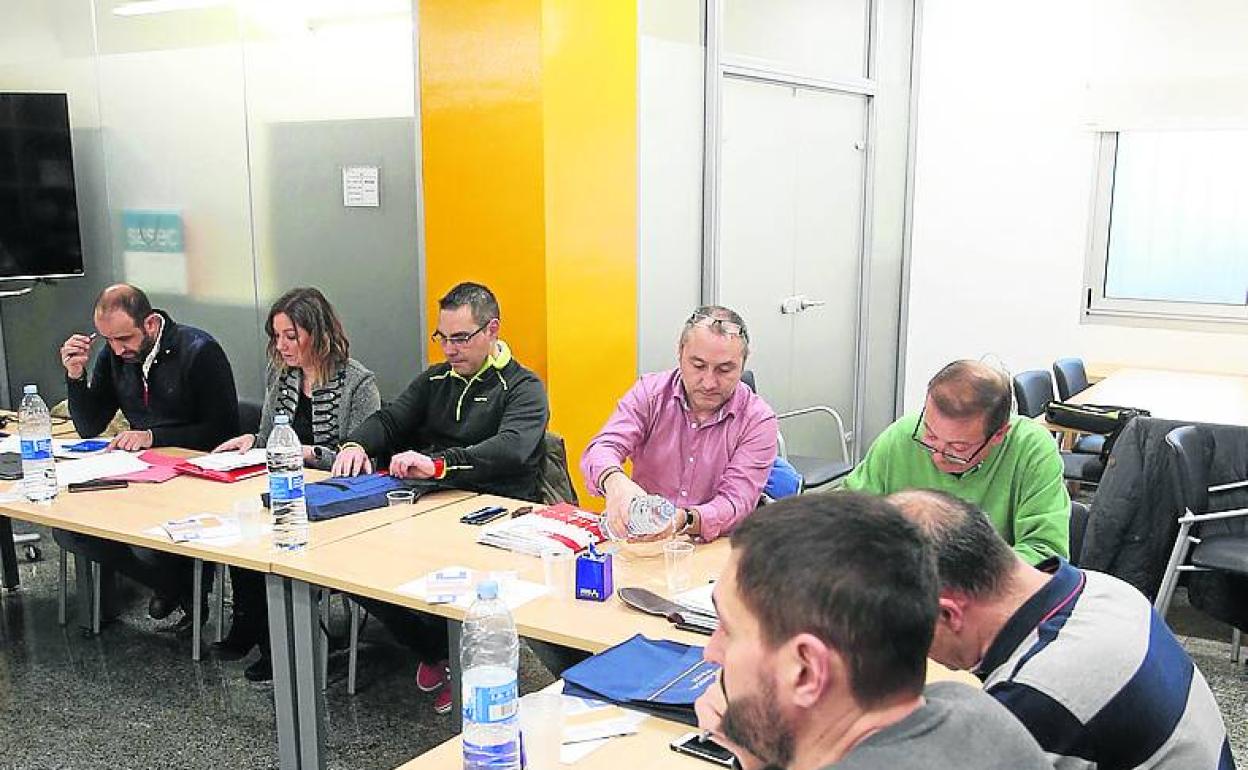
783, 481
342, 495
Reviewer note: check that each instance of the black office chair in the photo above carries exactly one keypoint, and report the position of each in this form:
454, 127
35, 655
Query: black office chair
1207, 540
1033, 390
248, 416
1072, 379
815, 471
1078, 526
1070, 376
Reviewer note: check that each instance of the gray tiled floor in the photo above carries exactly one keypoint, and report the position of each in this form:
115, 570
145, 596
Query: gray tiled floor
132, 697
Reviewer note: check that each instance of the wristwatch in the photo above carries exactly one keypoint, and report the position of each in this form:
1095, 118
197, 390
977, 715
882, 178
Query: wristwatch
692, 524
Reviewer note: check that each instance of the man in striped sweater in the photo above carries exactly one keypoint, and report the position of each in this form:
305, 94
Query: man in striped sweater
1079, 657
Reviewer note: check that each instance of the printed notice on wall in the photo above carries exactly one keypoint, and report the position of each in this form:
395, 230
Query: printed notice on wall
361, 186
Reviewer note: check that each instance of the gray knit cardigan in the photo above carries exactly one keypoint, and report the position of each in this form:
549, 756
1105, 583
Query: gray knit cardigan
339, 405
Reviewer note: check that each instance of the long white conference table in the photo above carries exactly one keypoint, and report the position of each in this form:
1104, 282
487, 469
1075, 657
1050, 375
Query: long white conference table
372, 554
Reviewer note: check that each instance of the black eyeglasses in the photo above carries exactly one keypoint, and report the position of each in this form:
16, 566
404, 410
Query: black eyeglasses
462, 338
721, 325
952, 458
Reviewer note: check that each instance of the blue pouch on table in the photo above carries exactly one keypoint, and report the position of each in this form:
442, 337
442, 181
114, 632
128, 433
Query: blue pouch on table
783, 481
344, 495
659, 677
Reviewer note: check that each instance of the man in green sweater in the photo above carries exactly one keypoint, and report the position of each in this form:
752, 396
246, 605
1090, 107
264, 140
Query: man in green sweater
966, 442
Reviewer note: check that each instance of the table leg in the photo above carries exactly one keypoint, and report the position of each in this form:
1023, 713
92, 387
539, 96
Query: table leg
282, 650
197, 611
8, 555
306, 635
455, 630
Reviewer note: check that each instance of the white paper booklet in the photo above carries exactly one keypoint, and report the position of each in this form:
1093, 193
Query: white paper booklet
228, 461
202, 527
100, 466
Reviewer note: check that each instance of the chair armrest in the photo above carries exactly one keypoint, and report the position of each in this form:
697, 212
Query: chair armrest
1228, 487
1196, 518
819, 409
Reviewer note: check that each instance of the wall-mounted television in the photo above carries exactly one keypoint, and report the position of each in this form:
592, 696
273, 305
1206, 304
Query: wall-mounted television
39, 235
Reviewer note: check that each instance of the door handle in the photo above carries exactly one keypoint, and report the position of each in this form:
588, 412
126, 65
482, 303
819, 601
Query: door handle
805, 303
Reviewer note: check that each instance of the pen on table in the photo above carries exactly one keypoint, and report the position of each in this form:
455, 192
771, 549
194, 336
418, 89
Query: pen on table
521, 511
599, 737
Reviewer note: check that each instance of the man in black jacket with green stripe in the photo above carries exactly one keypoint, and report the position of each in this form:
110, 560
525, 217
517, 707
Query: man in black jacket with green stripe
476, 422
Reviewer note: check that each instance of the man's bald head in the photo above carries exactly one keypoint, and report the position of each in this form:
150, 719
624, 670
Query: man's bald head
125, 298
971, 557
968, 389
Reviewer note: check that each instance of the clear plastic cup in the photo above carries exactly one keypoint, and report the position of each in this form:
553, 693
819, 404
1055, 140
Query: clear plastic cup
678, 559
400, 497
559, 567
251, 515
541, 724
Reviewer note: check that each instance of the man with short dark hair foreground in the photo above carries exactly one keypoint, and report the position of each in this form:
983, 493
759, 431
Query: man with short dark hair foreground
826, 609
965, 442
1079, 657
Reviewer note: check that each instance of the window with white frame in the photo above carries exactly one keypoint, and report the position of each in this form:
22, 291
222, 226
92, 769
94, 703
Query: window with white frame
1170, 226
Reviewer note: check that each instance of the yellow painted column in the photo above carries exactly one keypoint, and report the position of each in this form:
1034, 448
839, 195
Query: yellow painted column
529, 113
589, 84
481, 133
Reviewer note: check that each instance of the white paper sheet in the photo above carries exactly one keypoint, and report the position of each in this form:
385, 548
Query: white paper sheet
514, 592
97, 467
228, 461
13, 443
698, 598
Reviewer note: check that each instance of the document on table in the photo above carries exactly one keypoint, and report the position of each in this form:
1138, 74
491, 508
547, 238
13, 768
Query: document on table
228, 461
60, 446
697, 598
589, 724
209, 528
434, 589
97, 467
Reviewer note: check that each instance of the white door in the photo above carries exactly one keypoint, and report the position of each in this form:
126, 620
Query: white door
789, 243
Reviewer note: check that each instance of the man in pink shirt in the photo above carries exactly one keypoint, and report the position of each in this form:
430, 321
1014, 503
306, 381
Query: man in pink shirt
696, 435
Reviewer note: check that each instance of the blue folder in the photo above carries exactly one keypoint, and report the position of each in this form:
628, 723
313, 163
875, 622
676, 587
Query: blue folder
343, 495
660, 677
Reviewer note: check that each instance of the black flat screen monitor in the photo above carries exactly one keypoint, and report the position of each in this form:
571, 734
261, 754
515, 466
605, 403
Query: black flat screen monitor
38, 207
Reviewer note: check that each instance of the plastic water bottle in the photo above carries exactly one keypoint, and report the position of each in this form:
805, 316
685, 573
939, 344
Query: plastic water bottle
38, 468
284, 455
489, 654
647, 515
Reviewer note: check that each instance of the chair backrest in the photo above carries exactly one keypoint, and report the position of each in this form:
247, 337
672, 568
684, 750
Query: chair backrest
1071, 377
1033, 390
1190, 452
555, 484
248, 416
1078, 526
747, 376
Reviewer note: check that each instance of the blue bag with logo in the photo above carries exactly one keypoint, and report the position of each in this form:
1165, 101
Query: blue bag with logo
343, 495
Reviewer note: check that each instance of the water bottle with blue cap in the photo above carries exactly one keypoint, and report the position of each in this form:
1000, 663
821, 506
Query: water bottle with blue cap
489, 654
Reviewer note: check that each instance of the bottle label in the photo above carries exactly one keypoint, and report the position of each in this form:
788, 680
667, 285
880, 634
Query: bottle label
491, 705
503, 756
284, 488
37, 449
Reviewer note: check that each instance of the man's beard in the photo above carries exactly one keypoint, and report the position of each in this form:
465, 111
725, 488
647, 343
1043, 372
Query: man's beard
756, 724
145, 349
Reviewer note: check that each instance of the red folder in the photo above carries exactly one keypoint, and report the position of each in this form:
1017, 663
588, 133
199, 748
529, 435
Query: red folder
229, 477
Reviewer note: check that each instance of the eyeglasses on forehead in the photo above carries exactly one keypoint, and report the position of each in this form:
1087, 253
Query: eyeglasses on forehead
721, 325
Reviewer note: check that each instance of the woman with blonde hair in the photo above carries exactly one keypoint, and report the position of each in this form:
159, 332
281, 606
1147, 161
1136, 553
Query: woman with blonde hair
327, 394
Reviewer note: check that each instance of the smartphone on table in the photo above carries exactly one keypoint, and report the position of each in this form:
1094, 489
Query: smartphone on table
706, 749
